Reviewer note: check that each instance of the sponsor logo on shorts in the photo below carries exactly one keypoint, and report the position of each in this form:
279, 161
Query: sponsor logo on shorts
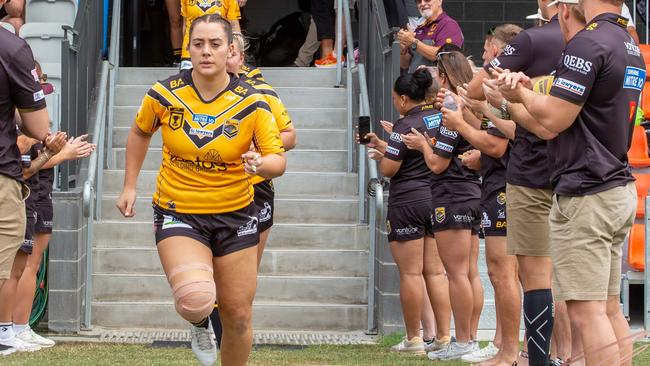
410, 230
392, 150
486, 222
502, 224
396, 137
171, 222
501, 198
39, 95
47, 223
634, 78
201, 133
433, 121
265, 213
447, 132
388, 228
501, 214
28, 243
570, 86
248, 228
445, 147
495, 63
464, 218
578, 64
440, 214
509, 50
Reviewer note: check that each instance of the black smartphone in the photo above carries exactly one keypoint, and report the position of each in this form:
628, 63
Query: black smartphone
364, 129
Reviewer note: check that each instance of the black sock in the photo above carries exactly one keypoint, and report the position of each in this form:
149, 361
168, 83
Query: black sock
177, 54
538, 318
216, 324
203, 323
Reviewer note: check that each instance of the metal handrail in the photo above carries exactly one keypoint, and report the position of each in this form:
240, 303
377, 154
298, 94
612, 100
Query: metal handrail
92, 190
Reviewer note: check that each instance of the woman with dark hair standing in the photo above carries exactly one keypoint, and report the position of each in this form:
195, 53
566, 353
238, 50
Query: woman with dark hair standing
409, 212
456, 194
205, 222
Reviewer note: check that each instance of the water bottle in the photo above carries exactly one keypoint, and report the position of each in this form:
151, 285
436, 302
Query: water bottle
449, 102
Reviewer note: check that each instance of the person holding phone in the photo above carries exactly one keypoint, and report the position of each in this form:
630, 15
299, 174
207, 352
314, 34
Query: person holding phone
408, 219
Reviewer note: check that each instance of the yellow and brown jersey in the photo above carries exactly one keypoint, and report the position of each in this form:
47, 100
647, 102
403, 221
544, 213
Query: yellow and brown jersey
279, 111
251, 72
202, 170
192, 9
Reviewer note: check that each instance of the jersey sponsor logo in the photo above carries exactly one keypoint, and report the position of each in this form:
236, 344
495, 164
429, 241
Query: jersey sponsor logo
392, 150
171, 222
204, 119
501, 214
634, 78
569, 85
592, 26
211, 161
174, 84
632, 48
495, 63
622, 21
433, 121
396, 137
200, 133
486, 222
447, 132
444, 147
509, 50
39, 95
501, 198
35, 75
440, 214
240, 90
265, 213
248, 228
633, 110
578, 64
410, 230
176, 117
231, 128
171, 205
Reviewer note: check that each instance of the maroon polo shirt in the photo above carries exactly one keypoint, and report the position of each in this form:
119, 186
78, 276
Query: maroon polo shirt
440, 31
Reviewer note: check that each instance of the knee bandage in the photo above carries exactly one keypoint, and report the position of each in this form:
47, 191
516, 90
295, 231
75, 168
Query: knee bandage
194, 298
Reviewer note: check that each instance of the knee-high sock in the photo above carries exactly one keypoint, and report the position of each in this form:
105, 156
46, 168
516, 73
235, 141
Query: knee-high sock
216, 324
538, 318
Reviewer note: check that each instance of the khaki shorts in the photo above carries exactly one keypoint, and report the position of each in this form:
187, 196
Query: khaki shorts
12, 222
528, 229
587, 235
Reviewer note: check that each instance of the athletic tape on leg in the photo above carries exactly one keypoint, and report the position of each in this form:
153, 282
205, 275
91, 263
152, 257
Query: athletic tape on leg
194, 297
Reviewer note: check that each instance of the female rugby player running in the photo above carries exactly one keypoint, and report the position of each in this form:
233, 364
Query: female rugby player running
205, 220
456, 193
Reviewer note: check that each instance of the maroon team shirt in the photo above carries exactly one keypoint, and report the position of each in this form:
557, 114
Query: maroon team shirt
440, 31
535, 52
19, 88
602, 69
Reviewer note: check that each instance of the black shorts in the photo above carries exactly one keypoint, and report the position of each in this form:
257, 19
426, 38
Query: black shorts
493, 209
223, 233
44, 216
410, 222
264, 196
457, 216
28, 244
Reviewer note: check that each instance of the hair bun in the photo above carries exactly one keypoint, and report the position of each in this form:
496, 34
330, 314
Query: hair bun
422, 78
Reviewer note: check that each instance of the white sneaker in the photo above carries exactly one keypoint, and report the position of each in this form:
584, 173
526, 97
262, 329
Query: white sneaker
454, 351
19, 345
415, 346
29, 336
482, 354
203, 345
437, 344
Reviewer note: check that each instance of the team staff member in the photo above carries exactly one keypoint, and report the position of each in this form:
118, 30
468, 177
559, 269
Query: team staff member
193, 9
591, 106
204, 214
494, 147
456, 194
408, 220
536, 52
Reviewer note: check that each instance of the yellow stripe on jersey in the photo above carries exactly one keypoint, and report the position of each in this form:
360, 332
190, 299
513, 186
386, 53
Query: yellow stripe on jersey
251, 72
542, 84
192, 9
202, 170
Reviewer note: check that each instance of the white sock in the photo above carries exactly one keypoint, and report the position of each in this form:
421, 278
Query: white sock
19, 328
6, 331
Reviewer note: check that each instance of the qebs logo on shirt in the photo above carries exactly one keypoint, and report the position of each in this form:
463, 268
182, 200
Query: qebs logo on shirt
634, 78
433, 121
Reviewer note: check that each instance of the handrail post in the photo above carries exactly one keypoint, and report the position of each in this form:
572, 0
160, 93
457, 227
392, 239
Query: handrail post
339, 43
646, 272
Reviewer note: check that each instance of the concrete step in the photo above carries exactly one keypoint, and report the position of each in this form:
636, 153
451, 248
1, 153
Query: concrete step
314, 117
276, 76
124, 234
326, 139
292, 97
291, 183
297, 160
307, 209
332, 290
340, 263
266, 315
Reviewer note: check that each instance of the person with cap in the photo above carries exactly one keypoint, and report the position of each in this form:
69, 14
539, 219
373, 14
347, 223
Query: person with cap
538, 18
591, 106
535, 51
420, 46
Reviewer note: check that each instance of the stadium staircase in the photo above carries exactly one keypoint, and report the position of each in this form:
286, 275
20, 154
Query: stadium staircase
314, 273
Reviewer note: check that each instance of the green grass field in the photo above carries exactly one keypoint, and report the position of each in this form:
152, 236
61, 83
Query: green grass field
122, 354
